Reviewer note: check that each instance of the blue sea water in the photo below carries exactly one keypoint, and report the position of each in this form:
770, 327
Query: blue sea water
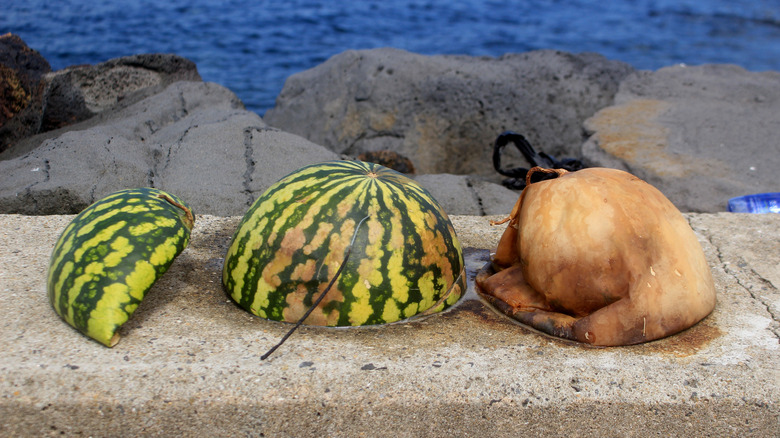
252, 47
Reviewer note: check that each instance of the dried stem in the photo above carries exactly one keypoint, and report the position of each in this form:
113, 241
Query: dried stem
533, 170
322, 295
189, 218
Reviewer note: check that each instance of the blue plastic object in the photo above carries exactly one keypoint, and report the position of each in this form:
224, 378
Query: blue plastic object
758, 203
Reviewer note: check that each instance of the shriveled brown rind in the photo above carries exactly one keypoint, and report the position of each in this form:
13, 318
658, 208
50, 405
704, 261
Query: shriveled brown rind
604, 258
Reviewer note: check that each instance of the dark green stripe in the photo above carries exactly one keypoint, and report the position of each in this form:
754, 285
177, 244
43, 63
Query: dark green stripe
127, 197
266, 253
345, 178
92, 291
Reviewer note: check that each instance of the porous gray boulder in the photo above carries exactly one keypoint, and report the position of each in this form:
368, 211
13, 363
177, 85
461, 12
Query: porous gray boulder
79, 92
444, 112
193, 139
700, 134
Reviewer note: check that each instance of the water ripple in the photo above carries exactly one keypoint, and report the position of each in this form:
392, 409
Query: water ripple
253, 48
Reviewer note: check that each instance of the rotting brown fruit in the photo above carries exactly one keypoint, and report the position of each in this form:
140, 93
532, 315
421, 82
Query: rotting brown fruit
601, 257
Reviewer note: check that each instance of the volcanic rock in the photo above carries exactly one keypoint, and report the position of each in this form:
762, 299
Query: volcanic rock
193, 139
444, 112
79, 92
21, 89
700, 134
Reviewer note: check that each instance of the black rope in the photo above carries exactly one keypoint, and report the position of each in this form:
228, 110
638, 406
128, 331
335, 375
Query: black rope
517, 175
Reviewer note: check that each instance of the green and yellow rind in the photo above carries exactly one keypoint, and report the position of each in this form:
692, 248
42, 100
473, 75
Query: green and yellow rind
111, 254
406, 259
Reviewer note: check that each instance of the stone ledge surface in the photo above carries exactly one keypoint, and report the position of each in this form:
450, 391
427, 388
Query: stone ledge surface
189, 359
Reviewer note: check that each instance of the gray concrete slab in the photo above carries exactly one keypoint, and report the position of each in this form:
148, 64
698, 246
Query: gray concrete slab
189, 360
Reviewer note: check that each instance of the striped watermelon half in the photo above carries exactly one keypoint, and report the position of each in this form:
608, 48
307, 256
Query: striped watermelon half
406, 259
111, 254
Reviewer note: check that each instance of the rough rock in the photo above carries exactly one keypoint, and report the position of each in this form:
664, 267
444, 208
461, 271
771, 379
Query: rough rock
390, 159
194, 139
468, 195
21, 89
700, 134
79, 92
444, 112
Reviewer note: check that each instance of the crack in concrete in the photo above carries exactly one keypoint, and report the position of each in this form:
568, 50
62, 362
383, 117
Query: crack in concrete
224, 119
775, 326
179, 142
250, 163
92, 193
150, 125
177, 115
476, 197
771, 287
736, 274
114, 165
152, 173
168, 157
46, 169
160, 164
183, 103
177, 145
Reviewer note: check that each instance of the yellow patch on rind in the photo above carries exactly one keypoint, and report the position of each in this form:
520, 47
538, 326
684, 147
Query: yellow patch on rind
164, 252
108, 314
391, 312
141, 279
102, 236
360, 310
122, 247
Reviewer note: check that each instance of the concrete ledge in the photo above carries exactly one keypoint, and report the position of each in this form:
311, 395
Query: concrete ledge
189, 360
